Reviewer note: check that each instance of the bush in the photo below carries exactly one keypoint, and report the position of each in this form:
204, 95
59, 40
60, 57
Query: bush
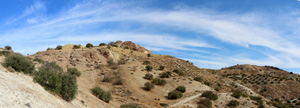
19, 63
101, 94
89, 45
76, 46
69, 87
148, 76
147, 62
158, 81
174, 94
233, 103
39, 60
206, 103
8, 47
130, 106
74, 71
118, 82
207, 83
161, 68
199, 79
237, 93
210, 95
58, 47
106, 79
163, 104
148, 86
201, 106
178, 72
217, 89
149, 55
181, 89
149, 68
102, 44
5, 53
165, 75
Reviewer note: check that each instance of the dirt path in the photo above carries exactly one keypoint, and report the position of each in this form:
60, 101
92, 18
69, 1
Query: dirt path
185, 100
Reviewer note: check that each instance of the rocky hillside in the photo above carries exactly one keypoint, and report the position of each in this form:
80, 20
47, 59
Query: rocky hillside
136, 77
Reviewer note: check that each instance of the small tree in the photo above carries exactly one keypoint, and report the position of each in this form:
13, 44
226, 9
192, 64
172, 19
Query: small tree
148, 76
174, 94
8, 48
148, 86
181, 89
89, 45
149, 68
58, 47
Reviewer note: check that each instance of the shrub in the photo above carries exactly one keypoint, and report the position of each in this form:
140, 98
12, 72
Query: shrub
207, 83
101, 94
217, 89
76, 46
118, 82
174, 94
74, 71
178, 72
199, 79
39, 60
149, 68
89, 45
233, 103
237, 93
148, 86
69, 87
163, 104
148, 76
130, 106
181, 89
158, 81
8, 47
147, 62
149, 55
102, 44
5, 53
19, 63
165, 75
58, 47
257, 99
210, 95
106, 79
206, 103
201, 106
161, 68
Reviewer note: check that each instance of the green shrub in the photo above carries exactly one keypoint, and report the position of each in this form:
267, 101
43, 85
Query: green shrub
237, 93
130, 106
19, 63
233, 103
5, 53
161, 68
118, 82
163, 104
102, 44
181, 89
210, 95
149, 55
158, 81
39, 60
74, 71
58, 47
257, 99
147, 62
165, 75
199, 79
149, 68
101, 94
174, 94
206, 103
148, 86
148, 76
89, 45
106, 79
8, 47
217, 89
76, 46
69, 87
207, 83
178, 72
201, 106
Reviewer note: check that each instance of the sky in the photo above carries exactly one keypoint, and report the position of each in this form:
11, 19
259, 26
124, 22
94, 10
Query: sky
210, 33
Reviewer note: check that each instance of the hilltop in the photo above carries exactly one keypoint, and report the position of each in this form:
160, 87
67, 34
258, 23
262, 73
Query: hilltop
121, 68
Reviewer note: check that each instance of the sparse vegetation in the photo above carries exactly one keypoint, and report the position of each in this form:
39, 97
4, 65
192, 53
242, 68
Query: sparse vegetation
207, 83
233, 103
174, 94
237, 93
165, 75
89, 45
106, 79
181, 89
205, 103
76, 46
39, 60
217, 89
148, 86
101, 94
130, 106
258, 100
158, 81
161, 68
178, 72
19, 63
58, 47
199, 79
149, 68
147, 62
118, 82
5, 53
148, 55
102, 44
74, 71
210, 95
8, 47
148, 76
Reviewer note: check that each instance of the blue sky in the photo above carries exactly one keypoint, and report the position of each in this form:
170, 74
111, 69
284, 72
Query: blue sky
209, 33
